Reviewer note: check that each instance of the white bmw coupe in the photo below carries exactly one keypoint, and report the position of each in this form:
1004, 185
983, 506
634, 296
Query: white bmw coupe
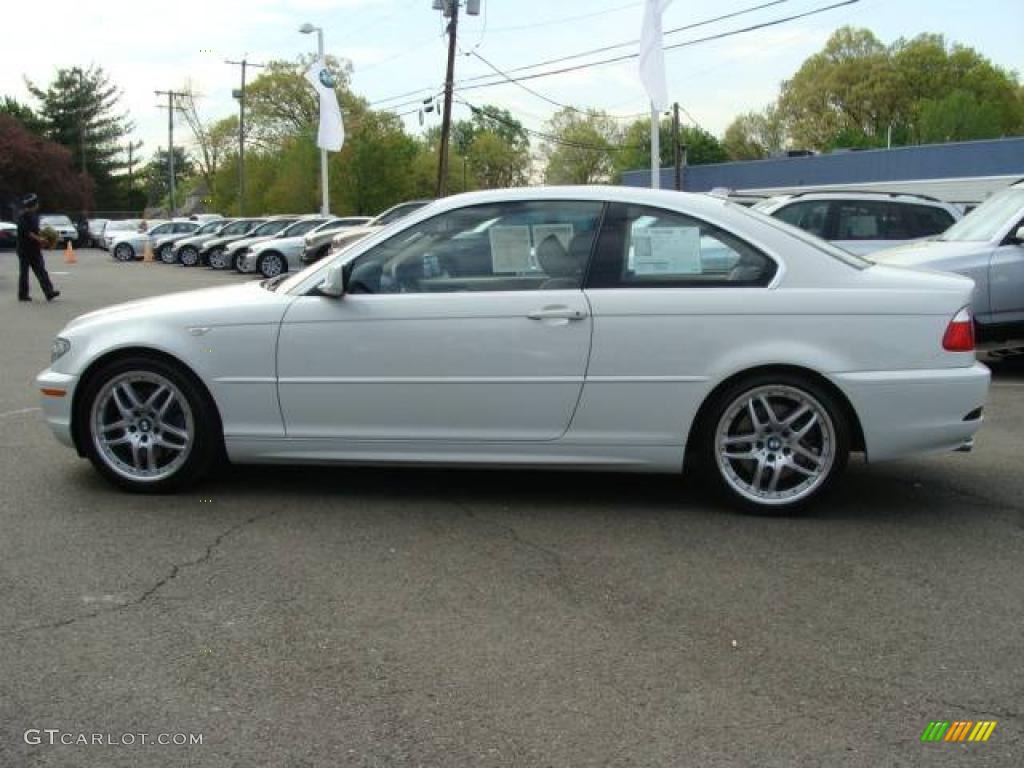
592, 328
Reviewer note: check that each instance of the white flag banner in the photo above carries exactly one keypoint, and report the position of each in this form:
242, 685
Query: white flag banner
652, 57
332, 132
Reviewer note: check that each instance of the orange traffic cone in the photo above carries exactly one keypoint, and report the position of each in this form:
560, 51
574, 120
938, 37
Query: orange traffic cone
69, 255
147, 253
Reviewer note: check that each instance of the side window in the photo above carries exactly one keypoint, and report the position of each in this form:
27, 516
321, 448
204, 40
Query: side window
530, 245
648, 247
809, 215
926, 220
862, 220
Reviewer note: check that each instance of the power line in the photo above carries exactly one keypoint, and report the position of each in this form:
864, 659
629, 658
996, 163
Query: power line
549, 100
598, 50
686, 44
615, 46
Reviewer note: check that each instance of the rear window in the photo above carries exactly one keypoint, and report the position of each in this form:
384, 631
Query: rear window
839, 254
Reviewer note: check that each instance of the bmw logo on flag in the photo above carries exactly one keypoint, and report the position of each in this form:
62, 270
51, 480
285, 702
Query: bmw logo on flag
327, 79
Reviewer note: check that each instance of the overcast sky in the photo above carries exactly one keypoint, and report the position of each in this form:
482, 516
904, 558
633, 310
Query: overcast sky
396, 46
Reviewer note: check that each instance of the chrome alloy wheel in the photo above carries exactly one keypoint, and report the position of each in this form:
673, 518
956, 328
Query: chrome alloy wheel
189, 256
775, 444
124, 252
218, 258
142, 426
271, 265
167, 253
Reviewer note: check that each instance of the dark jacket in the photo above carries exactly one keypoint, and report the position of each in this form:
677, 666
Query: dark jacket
28, 223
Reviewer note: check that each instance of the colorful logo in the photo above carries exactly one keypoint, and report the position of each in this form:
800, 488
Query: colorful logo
327, 79
958, 730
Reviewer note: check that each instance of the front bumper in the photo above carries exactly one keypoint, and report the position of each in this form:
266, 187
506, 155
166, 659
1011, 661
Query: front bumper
57, 408
903, 413
247, 262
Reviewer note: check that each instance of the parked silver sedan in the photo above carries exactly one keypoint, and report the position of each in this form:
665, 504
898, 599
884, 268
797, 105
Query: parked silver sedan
588, 338
987, 245
283, 253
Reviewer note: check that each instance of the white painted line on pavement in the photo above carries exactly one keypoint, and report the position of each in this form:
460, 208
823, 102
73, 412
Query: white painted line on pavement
19, 411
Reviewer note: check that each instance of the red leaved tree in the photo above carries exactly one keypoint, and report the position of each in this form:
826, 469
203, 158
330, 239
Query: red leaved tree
31, 164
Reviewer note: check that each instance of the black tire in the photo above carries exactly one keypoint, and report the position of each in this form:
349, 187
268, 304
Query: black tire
207, 442
124, 252
269, 260
166, 253
188, 256
727, 476
219, 259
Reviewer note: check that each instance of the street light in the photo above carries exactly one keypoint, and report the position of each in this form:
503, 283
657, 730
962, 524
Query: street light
307, 29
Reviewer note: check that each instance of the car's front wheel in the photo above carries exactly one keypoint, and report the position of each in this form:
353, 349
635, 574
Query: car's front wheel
218, 259
271, 265
775, 442
147, 426
124, 252
189, 256
166, 253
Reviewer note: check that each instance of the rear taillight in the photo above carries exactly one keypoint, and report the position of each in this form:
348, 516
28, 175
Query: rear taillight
959, 336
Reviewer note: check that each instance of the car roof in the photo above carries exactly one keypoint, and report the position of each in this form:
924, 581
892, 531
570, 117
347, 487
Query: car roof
836, 194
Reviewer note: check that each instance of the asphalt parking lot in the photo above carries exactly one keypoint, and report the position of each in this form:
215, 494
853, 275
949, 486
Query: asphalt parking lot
368, 617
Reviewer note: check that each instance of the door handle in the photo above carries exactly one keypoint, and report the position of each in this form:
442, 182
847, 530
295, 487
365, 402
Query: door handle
556, 313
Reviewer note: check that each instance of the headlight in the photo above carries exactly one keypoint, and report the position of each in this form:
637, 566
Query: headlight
59, 349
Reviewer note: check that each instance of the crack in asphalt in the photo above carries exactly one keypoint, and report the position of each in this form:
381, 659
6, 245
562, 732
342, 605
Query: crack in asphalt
171, 575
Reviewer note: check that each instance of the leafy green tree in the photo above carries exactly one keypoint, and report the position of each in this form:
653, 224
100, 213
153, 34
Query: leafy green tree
496, 162
857, 90
24, 114
81, 110
157, 175
755, 135
372, 169
958, 117
579, 148
281, 103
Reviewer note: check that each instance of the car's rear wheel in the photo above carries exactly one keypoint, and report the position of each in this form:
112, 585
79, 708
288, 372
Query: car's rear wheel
271, 265
775, 442
124, 252
189, 256
147, 426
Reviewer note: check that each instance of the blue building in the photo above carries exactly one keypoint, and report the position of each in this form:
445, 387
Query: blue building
961, 172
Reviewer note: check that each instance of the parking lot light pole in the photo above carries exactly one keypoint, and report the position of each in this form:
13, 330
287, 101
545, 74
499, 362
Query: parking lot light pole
306, 29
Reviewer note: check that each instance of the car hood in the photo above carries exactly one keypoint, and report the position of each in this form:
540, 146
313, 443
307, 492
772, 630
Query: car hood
282, 242
248, 242
245, 303
194, 240
213, 242
929, 254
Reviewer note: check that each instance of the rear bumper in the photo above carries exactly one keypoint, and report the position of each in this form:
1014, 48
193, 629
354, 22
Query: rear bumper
903, 413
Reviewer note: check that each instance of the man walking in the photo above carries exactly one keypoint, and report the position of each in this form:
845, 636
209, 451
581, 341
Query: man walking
30, 251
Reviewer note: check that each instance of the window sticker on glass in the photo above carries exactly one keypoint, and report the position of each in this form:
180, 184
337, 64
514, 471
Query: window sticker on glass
666, 251
510, 248
563, 232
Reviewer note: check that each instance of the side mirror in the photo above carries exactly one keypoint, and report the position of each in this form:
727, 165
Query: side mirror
334, 281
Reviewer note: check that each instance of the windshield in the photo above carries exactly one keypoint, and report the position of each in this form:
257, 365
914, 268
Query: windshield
238, 228
302, 227
272, 227
396, 213
835, 252
55, 221
209, 229
124, 224
988, 220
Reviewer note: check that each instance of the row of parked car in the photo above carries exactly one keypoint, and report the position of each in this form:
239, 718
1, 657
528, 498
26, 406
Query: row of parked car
267, 245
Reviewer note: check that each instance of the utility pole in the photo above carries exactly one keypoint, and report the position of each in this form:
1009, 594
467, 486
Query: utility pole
132, 146
676, 154
240, 95
446, 121
170, 140
81, 117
